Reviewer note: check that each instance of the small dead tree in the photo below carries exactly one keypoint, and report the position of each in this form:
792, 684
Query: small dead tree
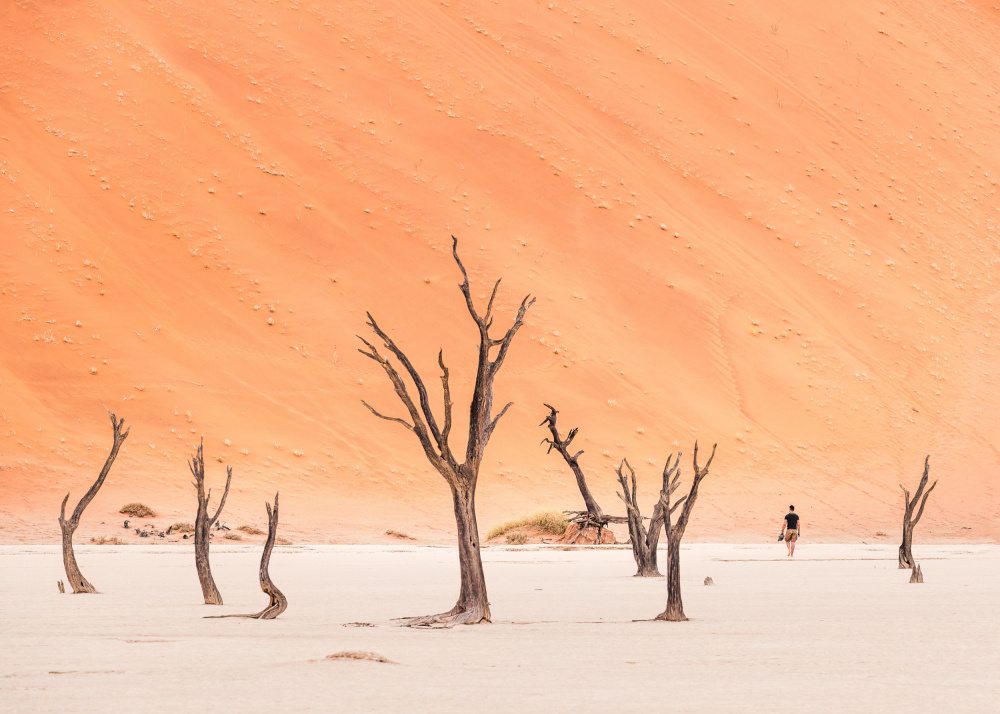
279, 603
593, 516
675, 531
644, 543
203, 524
68, 526
473, 605
909, 520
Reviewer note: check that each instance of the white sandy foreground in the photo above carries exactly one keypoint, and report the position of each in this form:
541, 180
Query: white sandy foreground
837, 629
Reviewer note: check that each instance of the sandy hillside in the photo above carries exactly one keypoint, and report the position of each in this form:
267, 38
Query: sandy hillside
771, 225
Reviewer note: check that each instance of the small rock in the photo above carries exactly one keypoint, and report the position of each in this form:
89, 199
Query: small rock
709, 581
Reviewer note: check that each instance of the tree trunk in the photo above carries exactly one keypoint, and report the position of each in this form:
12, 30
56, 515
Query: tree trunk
912, 515
69, 525
675, 606
917, 576
202, 536
278, 602
473, 605
906, 548
76, 580
203, 525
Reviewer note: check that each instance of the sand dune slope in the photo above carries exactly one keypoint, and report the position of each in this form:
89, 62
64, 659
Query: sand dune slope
770, 225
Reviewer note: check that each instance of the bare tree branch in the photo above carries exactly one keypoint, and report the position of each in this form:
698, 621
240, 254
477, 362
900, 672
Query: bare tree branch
405, 423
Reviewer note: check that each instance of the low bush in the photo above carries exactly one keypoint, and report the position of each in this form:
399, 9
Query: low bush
137, 510
553, 522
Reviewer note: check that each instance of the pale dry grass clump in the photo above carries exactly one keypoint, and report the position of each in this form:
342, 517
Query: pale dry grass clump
281, 540
552, 522
233, 536
517, 538
251, 530
399, 534
104, 540
182, 527
137, 510
357, 654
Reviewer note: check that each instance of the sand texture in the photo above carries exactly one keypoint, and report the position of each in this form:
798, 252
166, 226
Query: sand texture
770, 225
840, 629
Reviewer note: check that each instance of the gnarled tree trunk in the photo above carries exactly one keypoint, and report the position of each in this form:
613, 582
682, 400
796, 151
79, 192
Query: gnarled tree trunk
909, 520
69, 525
675, 532
278, 603
473, 605
644, 543
203, 525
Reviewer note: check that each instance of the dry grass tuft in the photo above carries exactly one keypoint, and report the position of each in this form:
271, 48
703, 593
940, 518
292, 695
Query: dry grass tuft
104, 540
251, 530
356, 654
233, 536
281, 540
552, 522
137, 510
182, 527
517, 538
399, 534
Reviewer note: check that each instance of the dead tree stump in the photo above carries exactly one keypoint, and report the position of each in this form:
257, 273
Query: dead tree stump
909, 519
473, 604
68, 526
279, 603
644, 542
203, 524
675, 606
917, 576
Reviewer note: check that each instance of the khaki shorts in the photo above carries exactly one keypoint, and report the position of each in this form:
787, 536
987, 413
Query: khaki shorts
791, 535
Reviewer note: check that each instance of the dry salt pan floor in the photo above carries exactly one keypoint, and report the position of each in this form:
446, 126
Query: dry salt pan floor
837, 629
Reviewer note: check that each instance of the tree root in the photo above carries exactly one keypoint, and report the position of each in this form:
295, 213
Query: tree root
456, 616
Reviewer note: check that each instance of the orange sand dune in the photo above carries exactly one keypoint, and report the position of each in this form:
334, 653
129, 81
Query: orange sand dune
771, 225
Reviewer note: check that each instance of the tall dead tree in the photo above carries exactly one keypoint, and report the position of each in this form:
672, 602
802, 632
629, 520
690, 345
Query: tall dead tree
203, 524
909, 520
593, 515
279, 603
472, 606
68, 526
645, 542
675, 531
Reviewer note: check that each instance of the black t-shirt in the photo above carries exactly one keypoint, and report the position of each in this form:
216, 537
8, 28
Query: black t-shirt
792, 521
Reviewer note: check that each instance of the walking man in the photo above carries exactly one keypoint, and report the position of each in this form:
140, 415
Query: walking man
791, 529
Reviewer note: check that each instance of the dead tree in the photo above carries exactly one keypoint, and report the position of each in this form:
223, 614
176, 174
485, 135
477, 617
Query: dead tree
917, 575
644, 543
68, 526
593, 516
203, 524
909, 520
472, 606
279, 603
675, 531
